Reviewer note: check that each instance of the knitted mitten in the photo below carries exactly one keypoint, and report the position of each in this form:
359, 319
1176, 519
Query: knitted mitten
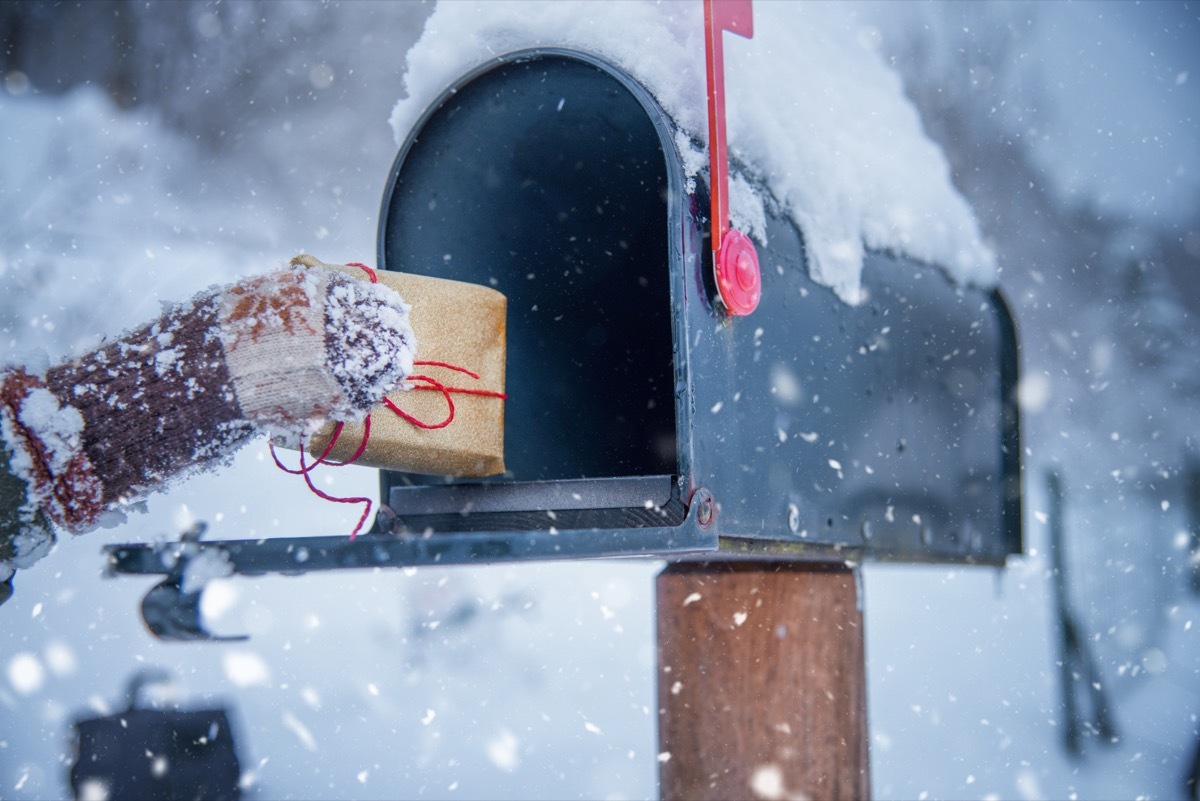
278, 353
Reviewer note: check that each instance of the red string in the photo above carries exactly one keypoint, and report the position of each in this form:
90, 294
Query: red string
326, 496
370, 273
448, 366
337, 432
428, 384
434, 385
362, 445
305, 470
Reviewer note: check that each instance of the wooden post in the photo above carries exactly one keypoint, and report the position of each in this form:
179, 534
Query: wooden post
761, 682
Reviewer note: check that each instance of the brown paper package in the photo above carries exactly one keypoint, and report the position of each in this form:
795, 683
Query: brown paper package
457, 323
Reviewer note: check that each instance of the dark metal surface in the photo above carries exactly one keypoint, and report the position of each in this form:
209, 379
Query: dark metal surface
592, 493
880, 428
296, 555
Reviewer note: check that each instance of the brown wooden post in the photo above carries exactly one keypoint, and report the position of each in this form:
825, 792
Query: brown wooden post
761, 682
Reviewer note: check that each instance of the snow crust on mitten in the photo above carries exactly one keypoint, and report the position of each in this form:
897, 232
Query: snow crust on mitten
309, 344
43, 438
369, 342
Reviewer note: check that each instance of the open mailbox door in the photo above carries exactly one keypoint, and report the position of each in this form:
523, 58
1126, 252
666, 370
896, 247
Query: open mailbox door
641, 418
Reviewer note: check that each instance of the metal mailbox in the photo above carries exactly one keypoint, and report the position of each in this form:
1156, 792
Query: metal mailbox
642, 419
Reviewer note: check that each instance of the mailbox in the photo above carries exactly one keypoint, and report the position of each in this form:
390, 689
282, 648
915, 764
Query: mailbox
643, 419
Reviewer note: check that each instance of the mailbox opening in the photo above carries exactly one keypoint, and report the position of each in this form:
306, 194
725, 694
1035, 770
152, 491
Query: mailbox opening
549, 176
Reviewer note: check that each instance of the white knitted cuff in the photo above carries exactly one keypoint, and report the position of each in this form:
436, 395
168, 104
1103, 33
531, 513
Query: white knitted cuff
308, 344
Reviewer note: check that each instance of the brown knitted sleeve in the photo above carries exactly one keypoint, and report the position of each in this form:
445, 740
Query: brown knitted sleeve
156, 402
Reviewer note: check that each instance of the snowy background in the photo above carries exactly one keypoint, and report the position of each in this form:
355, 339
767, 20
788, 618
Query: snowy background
149, 153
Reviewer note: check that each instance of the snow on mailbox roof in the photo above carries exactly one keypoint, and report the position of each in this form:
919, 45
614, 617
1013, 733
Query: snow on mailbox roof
813, 114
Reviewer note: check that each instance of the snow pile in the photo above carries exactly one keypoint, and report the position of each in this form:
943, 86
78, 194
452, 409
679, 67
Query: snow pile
814, 116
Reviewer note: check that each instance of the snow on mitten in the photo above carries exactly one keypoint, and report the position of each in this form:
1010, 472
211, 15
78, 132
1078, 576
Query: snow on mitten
276, 353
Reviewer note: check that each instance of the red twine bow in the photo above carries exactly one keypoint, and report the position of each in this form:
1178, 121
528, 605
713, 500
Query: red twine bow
424, 382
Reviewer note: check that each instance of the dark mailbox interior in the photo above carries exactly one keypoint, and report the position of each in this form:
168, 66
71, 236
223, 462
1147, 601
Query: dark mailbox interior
546, 178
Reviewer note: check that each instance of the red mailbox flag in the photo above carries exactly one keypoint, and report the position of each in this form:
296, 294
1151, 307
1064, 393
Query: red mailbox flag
735, 260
